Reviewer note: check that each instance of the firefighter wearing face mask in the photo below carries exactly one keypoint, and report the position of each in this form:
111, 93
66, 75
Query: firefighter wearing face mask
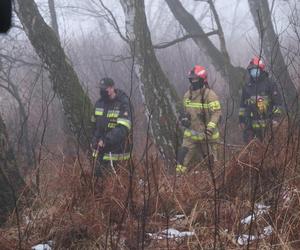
112, 117
260, 106
200, 120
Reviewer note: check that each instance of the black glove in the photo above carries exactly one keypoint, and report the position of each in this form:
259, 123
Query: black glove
185, 120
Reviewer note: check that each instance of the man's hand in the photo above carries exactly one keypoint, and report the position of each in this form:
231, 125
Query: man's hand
275, 124
185, 120
242, 126
101, 144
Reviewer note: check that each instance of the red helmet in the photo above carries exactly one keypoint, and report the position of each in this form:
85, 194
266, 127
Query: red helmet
256, 62
198, 72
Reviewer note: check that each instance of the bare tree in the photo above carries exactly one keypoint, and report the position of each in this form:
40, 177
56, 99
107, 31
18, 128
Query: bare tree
162, 102
271, 47
13, 90
219, 59
76, 103
10, 179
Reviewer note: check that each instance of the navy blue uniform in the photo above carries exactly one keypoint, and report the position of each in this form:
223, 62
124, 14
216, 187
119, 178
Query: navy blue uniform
260, 105
113, 120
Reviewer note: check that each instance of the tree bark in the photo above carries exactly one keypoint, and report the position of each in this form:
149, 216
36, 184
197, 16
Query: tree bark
11, 181
76, 103
271, 47
52, 10
160, 97
220, 60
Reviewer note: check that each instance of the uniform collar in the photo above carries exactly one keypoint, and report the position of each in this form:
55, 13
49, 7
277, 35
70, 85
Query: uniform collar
196, 93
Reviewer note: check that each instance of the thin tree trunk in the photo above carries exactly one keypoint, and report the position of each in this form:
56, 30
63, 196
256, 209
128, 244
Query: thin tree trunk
76, 103
11, 181
52, 10
160, 97
271, 47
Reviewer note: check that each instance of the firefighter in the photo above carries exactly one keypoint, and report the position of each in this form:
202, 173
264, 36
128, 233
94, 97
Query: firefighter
260, 106
111, 138
202, 111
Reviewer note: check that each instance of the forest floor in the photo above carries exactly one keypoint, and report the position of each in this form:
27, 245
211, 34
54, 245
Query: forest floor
251, 200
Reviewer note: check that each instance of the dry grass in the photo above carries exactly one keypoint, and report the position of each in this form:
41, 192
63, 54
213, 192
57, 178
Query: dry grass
118, 212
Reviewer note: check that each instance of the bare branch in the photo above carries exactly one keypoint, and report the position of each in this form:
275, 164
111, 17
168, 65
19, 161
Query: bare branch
112, 20
181, 39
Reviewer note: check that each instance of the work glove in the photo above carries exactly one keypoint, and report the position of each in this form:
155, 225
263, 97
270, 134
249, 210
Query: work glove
185, 120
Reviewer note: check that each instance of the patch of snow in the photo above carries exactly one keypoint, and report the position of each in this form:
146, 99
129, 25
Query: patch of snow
243, 239
170, 233
178, 217
248, 219
259, 209
267, 231
46, 246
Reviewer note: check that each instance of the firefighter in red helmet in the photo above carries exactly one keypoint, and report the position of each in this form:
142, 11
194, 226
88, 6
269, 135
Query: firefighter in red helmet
202, 111
260, 104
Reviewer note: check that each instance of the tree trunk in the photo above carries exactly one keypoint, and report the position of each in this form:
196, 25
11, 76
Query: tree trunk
76, 103
54, 23
271, 47
160, 97
10, 179
220, 60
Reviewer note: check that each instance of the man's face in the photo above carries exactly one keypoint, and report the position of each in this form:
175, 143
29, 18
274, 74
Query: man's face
111, 92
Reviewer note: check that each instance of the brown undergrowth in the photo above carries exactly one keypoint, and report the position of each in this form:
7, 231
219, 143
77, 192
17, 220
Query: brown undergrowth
129, 209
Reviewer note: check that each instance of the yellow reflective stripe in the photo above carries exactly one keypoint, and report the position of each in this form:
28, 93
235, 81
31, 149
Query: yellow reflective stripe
215, 105
259, 124
211, 125
95, 153
124, 122
111, 125
215, 136
189, 104
242, 111
276, 110
99, 111
196, 136
116, 157
113, 113
180, 168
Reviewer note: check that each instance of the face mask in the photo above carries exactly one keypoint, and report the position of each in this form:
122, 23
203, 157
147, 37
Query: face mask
254, 73
104, 94
197, 85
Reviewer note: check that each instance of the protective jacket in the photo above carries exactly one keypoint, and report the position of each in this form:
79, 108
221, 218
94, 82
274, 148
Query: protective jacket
260, 102
205, 110
113, 125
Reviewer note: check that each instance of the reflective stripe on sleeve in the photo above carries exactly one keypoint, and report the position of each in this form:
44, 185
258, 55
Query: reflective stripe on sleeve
124, 122
116, 157
214, 105
99, 111
211, 125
